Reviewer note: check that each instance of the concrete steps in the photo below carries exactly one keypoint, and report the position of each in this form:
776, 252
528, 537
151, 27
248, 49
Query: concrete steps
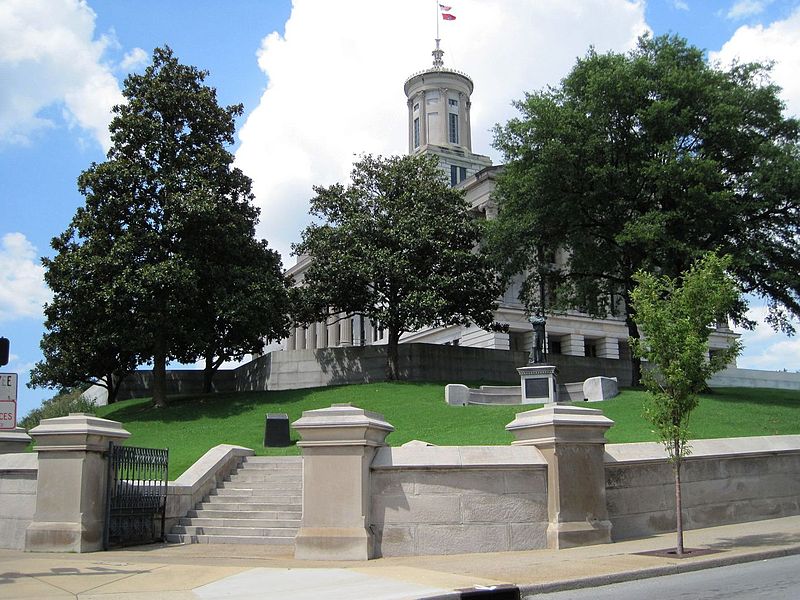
259, 503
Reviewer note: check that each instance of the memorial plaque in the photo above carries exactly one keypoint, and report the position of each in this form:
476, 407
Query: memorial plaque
537, 388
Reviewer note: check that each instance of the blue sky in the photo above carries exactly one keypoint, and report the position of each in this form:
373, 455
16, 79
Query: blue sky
320, 82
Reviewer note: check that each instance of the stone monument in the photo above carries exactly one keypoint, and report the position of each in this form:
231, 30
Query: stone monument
538, 380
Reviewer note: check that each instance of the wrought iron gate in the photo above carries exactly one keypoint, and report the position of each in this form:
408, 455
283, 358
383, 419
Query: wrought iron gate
136, 495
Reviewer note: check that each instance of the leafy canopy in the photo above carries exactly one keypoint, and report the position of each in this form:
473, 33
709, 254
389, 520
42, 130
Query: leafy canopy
644, 161
676, 317
161, 261
397, 245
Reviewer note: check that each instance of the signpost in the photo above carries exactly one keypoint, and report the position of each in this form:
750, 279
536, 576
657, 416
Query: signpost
8, 401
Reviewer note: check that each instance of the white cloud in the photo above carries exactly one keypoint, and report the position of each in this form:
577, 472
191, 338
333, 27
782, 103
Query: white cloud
747, 8
134, 59
680, 4
778, 42
335, 82
23, 291
765, 348
49, 57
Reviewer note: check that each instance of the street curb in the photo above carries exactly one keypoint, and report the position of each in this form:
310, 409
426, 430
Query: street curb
672, 569
526, 591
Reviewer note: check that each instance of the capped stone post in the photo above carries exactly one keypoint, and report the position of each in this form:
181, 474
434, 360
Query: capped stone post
338, 445
572, 440
71, 487
14, 440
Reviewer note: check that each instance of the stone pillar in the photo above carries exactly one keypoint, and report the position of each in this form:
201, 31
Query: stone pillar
608, 348
71, 486
333, 332
346, 332
573, 345
14, 440
572, 440
338, 445
322, 335
300, 338
291, 341
311, 336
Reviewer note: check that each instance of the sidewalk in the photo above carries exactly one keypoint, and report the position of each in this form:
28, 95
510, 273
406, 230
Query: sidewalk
243, 572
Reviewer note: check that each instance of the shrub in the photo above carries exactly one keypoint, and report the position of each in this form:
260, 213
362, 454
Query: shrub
60, 405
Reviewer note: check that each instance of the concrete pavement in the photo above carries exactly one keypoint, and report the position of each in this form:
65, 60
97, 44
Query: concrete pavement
204, 571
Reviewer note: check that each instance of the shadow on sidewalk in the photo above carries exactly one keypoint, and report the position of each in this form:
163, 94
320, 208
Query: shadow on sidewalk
754, 541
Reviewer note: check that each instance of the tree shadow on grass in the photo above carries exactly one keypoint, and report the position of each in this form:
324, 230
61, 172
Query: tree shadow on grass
763, 396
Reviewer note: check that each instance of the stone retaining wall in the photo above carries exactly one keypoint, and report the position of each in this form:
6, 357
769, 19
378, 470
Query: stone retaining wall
18, 474
452, 500
724, 481
297, 369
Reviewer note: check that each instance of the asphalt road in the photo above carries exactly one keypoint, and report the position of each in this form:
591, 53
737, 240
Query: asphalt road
775, 579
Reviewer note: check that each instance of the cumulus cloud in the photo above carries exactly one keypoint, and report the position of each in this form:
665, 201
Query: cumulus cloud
49, 57
134, 59
335, 83
747, 8
765, 348
776, 42
23, 291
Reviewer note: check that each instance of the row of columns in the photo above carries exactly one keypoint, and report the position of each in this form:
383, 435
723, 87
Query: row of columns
574, 344
335, 332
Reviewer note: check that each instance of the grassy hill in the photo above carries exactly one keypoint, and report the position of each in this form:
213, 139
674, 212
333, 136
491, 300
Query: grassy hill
191, 425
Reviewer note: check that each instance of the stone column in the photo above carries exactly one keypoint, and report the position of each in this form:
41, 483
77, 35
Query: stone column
14, 440
338, 445
608, 348
444, 112
346, 332
423, 119
573, 345
333, 332
300, 338
311, 336
71, 486
322, 334
572, 440
291, 341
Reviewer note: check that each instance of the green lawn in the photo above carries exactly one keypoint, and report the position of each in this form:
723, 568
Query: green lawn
191, 425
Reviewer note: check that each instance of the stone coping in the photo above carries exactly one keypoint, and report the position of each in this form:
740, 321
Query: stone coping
468, 457
19, 461
207, 466
644, 452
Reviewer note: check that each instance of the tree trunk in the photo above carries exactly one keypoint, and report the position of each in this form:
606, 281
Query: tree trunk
208, 373
113, 384
678, 506
392, 358
636, 362
160, 374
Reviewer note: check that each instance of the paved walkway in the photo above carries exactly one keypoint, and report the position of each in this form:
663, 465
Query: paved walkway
208, 572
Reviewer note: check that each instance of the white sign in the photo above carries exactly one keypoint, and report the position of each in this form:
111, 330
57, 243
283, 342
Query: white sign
8, 386
8, 414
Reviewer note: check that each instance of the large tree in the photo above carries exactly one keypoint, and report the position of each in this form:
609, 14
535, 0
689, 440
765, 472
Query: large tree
646, 160
397, 245
165, 237
676, 317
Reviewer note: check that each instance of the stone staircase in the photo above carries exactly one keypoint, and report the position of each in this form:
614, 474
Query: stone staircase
259, 503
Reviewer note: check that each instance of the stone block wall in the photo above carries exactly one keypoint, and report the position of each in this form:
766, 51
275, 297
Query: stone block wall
18, 475
724, 481
297, 369
453, 500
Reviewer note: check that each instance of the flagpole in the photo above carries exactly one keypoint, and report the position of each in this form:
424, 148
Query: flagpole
436, 8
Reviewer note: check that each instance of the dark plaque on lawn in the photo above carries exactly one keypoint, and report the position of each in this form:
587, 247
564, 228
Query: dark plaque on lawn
537, 388
276, 431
